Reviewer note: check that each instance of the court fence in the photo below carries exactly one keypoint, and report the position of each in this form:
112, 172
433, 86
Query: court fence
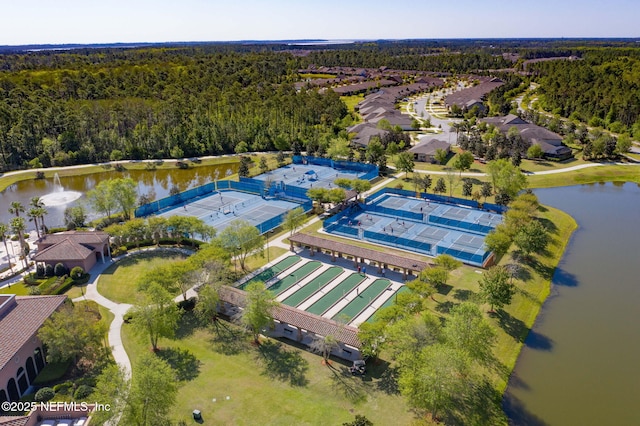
370, 171
440, 199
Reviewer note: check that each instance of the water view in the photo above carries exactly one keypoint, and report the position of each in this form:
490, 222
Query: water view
70, 190
580, 362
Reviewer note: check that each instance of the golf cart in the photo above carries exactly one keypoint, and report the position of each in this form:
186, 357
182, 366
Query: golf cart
358, 367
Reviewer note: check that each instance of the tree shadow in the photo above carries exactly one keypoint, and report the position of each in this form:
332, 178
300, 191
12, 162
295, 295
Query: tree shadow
445, 307
538, 341
284, 365
545, 271
518, 271
352, 387
549, 225
464, 295
444, 289
388, 381
517, 412
517, 382
187, 324
564, 278
481, 405
183, 362
514, 327
227, 341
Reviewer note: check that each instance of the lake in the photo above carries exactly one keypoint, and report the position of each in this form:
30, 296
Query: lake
158, 183
580, 364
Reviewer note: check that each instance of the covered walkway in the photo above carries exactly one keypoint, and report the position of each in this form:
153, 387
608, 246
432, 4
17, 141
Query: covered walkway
359, 254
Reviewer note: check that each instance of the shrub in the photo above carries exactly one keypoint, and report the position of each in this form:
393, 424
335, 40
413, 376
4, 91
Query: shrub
39, 175
119, 167
187, 305
44, 394
48, 270
82, 392
35, 291
62, 388
60, 270
40, 270
77, 273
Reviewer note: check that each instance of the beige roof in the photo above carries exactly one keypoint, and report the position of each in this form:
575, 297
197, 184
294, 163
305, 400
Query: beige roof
20, 319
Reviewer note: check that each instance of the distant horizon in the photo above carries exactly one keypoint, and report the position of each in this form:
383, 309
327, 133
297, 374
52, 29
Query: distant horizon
301, 41
42, 22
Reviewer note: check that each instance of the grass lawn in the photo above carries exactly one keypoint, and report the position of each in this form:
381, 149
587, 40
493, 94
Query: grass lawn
119, 282
275, 384
18, 289
352, 101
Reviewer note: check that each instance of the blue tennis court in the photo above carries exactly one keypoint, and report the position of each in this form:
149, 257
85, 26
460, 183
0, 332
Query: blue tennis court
309, 175
222, 207
420, 225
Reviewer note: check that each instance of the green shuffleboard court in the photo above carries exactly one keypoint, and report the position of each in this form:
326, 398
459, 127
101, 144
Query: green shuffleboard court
312, 286
389, 302
363, 300
273, 271
294, 277
337, 293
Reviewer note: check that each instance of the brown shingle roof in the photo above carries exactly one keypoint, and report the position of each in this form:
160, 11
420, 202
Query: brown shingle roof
20, 320
90, 238
464, 96
13, 421
430, 147
376, 256
63, 250
298, 318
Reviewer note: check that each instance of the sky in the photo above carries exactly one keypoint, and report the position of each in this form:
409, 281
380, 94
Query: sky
128, 21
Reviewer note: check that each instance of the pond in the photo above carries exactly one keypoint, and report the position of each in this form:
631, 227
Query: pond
157, 183
579, 365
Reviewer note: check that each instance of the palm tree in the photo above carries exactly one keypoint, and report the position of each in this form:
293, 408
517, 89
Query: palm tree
39, 204
18, 226
3, 234
16, 208
34, 214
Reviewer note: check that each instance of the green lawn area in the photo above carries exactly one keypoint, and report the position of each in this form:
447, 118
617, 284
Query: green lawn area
352, 101
18, 289
316, 75
119, 282
274, 384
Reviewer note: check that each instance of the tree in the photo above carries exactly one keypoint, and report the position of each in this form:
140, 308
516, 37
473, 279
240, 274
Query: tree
280, 159
535, 151
293, 220
623, 144
506, 178
3, 234
38, 204
427, 181
486, 190
409, 335
434, 379
153, 392
466, 330
467, 188
101, 198
498, 241
404, 162
157, 227
532, 238
324, 345
258, 310
453, 180
360, 186
495, 288
72, 334
18, 227
463, 161
157, 316
448, 262
123, 192
338, 149
441, 156
207, 305
33, 214
241, 238
264, 167
441, 187
245, 164
112, 388
16, 208
374, 151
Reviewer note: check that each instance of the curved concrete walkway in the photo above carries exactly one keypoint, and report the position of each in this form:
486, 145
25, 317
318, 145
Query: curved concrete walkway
117, 309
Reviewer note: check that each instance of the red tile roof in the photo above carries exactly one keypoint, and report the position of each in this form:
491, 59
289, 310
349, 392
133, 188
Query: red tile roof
21, 319
298, 318
13, 421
